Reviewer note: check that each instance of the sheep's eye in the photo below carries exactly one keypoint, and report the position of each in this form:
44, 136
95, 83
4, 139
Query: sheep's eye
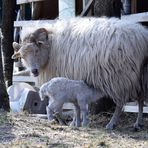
39, 43
46, 97
22, 56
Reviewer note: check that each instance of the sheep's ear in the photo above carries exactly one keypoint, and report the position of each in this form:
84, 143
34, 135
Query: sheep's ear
16, 46
16, 55
41, 35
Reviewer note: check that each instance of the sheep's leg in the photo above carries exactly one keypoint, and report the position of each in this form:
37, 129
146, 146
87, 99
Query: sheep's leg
139, 122
115, 118
76, 117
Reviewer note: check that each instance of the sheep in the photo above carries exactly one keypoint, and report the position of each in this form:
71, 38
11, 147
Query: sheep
107, 54
60, 90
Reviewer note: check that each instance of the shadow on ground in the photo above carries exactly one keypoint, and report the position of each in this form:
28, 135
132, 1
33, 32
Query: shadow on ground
5, 128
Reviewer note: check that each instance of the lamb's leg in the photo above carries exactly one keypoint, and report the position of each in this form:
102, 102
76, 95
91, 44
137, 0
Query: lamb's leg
115, 118
57, 115
49, 113
85, 120
139, 122
52, 108
76, 117
84, 112
57, 107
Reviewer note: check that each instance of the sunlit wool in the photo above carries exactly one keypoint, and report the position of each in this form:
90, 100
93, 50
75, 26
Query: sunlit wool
106, 53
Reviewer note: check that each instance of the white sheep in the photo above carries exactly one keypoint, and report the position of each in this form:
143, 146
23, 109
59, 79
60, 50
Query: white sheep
60, 90
108, 54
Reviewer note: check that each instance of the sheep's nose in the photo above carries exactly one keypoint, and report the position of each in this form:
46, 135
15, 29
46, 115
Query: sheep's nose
35, 72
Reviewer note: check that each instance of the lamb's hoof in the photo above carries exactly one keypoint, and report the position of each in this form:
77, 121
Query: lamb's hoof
137, 127
53, 122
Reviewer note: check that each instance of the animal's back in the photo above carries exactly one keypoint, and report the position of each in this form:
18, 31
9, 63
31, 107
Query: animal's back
68, 89
106, 53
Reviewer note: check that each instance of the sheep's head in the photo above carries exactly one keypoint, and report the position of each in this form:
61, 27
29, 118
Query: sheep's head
34, 50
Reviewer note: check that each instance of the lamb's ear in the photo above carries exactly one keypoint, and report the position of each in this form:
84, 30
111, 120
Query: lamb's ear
16, 55
16, 46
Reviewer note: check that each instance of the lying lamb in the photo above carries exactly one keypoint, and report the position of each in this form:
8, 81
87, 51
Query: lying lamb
61, 90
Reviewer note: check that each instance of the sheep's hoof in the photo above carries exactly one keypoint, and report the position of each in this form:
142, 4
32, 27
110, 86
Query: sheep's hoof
137, 127
85, 125
110, 126
78, 124
72, 124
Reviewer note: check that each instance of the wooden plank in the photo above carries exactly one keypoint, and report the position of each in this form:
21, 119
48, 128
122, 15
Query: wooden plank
134, 109
66, 9
139, 17
133, 6
68, 106
32, 23
86, 9
85, 3
27, 1
24, 79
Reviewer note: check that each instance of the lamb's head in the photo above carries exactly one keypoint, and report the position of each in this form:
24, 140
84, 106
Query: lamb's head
34, 50
43, 92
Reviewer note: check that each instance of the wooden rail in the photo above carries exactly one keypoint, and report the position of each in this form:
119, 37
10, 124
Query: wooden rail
18, 79
133, 107
139, 17
87, 8
32, 23
27, 1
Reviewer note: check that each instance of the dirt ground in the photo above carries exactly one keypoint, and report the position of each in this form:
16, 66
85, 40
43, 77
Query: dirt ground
29, 131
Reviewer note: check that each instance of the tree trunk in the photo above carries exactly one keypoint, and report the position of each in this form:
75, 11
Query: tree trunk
107, 8
8, 12
4, 102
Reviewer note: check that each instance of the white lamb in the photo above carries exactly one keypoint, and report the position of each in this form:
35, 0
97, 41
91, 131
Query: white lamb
60, 90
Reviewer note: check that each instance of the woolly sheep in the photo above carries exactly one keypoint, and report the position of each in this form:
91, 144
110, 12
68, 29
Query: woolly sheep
107, 54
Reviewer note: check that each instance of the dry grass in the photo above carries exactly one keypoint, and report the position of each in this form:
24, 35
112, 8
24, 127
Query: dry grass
25, 131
